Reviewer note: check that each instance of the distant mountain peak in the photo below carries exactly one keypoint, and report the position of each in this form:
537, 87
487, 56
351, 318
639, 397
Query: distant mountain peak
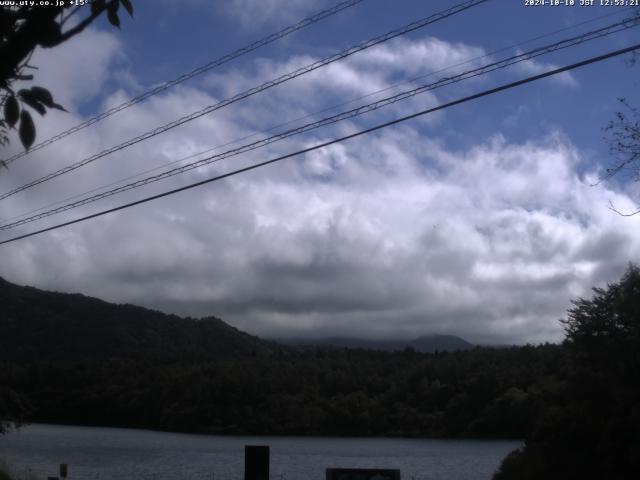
424, 343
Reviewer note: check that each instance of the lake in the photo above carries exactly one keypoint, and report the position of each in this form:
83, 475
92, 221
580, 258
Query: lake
116, 453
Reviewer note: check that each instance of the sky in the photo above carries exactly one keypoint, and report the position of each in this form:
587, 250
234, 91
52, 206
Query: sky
482, 220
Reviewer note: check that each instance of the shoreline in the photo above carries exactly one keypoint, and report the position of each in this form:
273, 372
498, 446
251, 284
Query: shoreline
290, 436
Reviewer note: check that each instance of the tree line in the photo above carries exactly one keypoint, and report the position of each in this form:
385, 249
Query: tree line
485, 392
576, 404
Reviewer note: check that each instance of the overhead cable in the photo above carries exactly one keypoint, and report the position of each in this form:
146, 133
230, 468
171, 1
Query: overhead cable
484, 93
316, 113
562, 44
186, 76
265, 86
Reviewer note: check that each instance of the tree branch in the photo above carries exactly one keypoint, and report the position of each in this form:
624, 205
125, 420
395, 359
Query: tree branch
83, 24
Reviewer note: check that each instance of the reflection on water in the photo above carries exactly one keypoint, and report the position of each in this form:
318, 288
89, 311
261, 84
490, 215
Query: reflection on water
123, 454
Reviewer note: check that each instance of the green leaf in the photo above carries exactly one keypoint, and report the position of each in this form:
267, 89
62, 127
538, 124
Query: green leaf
32, 100
49, 34
127, 6
112, 15
38, 107
27, 130
11, 111
42, 95
97, 6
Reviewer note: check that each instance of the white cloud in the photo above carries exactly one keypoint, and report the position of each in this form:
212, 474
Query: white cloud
535, 67
390, 234
421, 56
89, 56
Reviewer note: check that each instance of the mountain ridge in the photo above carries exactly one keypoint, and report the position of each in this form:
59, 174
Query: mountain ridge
51, 326
45, 325
423, 344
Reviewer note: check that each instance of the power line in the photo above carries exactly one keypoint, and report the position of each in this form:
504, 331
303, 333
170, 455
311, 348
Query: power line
187, 76
317, 112
265, 86
562, 44
337, 140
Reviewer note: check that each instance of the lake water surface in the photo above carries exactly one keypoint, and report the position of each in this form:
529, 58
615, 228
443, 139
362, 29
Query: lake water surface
124, 454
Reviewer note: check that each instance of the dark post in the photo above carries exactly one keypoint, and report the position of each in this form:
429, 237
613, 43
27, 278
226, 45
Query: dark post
362, 474
256, 462
63, 470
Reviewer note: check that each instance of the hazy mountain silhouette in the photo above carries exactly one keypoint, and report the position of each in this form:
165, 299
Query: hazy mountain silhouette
425, 344
42, 325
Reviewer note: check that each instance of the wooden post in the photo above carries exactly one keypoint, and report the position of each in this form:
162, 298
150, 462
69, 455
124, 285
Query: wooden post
256, 462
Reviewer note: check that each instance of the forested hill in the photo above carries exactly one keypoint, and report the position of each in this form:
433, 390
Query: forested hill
425, 344
576, 403
42, 325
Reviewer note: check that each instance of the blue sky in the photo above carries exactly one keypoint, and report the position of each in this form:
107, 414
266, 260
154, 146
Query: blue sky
184, 35
478, 221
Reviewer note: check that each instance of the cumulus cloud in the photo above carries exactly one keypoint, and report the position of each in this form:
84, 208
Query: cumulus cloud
90, 57
536, 67
394, 234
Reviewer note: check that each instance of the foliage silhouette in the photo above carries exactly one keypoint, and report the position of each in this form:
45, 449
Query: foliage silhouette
589, 426
80, 360
476, 393
23, 28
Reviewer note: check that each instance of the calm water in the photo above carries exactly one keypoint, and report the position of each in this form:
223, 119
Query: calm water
122, 454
